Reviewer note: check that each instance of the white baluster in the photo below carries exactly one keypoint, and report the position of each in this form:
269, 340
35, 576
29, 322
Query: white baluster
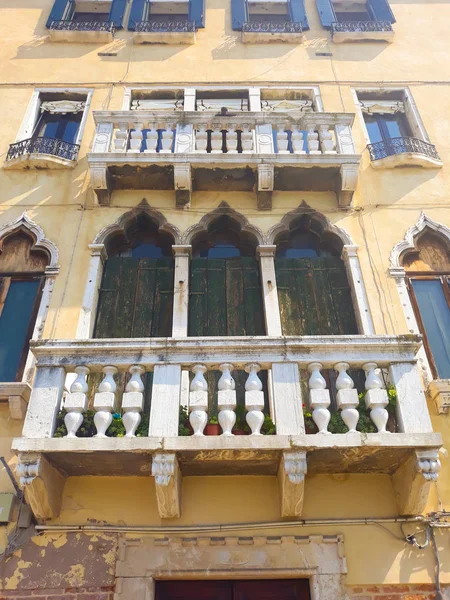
282, 140
133, 401
105, 401
247, 140
376, 397
166, 140
121, 138
297, 142
136, 138
319, 398
76, 402
326, 140
232, 139
313, 141
216, 140
152, 140
347, 397
226, 399
254, 399
201, 139
198, 400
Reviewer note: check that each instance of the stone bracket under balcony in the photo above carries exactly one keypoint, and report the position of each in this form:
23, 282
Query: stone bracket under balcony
246, 152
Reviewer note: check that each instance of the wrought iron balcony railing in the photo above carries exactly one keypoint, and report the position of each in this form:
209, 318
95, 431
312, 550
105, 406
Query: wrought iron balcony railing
44, 145
83, 26
272, 27
165, 27
360, 26
402, 145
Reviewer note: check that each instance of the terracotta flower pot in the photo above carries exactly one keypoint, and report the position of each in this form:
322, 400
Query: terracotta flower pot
212, 429
239, 432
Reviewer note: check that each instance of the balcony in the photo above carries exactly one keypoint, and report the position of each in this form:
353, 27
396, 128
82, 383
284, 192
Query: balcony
41, 153
293, 365
239, 152
266, 32
404, 152
165, 32
357, 31
82, 31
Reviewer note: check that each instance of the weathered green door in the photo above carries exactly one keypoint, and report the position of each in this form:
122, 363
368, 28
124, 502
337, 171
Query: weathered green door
225, 297
314, 296
136, 298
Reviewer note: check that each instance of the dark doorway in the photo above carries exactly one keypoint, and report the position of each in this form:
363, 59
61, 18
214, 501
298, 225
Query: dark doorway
269, 589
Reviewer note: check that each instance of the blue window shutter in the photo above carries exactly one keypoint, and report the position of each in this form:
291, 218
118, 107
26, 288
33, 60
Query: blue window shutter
137, 13
58, 12
298, 13
238, 14
117, 12
381, 10
326, 12
197, 12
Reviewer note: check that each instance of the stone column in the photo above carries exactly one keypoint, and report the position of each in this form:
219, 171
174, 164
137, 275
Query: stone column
359, 295
269, 288
412, 410
86, 321
181, 290
45, 401
287, 399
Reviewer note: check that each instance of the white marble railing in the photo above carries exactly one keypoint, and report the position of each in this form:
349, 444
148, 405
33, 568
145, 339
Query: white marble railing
146, 132
171, 360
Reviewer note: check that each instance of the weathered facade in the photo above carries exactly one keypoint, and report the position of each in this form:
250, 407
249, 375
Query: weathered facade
240, 209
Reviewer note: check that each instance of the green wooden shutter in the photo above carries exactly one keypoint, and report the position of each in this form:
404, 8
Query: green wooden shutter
314, 297
239, 14
117, 12
326, 12
253, 300
298, 13
197, 12
59, 11
137, 13
381, 10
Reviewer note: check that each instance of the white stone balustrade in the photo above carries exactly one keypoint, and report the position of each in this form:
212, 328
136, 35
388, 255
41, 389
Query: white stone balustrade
326, 140
319, 398
152, 137
376, 397
347, 397
105, 401
76, 402
282, 140
133, 401
313, 141
254, 399
198, 400
226, 399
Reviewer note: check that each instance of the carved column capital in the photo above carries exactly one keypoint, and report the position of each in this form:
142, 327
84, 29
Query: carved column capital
291, 481
167, 474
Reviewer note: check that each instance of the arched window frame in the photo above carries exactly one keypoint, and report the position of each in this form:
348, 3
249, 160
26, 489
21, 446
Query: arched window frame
397, 271
17, 393
99, 256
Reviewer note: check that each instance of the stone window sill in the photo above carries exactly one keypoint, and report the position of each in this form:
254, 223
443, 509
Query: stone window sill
17, 395
184, 38
341, 37
81, 37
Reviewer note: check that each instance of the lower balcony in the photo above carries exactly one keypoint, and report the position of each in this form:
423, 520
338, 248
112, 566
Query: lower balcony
41, 153
403, 152
280, 407
165, 32
360, 31
265, 32
82, 31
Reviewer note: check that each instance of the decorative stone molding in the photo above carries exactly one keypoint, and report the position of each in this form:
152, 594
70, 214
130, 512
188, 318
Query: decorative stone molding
439, 391
319, 558
183, 184
168, 481
42, 483
291, 483
347, 186
223, 209
17, 394
413, 479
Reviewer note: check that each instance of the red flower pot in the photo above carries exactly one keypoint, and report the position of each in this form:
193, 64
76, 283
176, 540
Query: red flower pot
212, 429
239, 432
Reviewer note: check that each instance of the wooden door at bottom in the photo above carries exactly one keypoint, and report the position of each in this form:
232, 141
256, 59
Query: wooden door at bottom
268, 589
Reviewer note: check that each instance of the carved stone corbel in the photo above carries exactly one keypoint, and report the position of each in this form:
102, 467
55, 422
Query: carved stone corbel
168, 479
42, 483
412, 481
101, 182
291, 483
183, 184
347, 185
266, 177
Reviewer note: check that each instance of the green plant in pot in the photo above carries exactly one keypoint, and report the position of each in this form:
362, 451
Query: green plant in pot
184, 427
241, 426
212, 427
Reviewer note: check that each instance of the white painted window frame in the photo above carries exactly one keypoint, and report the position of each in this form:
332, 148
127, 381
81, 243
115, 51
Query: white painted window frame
414, 118
32, 113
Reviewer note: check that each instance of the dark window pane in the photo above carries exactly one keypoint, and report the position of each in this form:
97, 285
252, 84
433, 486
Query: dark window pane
70, 131
61, 127
49, 129
346, 17
393, 127
373, 129
96, 17
435, 315
14, 325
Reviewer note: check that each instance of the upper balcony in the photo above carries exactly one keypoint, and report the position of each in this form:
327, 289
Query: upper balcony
165, 32
248, 151
130, 383
403, 152
356, 31
263, 32
82, 31
42, 152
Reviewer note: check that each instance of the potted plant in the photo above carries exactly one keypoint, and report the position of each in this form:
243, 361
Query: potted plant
268, 427
241, 427
213, 427
184, 427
